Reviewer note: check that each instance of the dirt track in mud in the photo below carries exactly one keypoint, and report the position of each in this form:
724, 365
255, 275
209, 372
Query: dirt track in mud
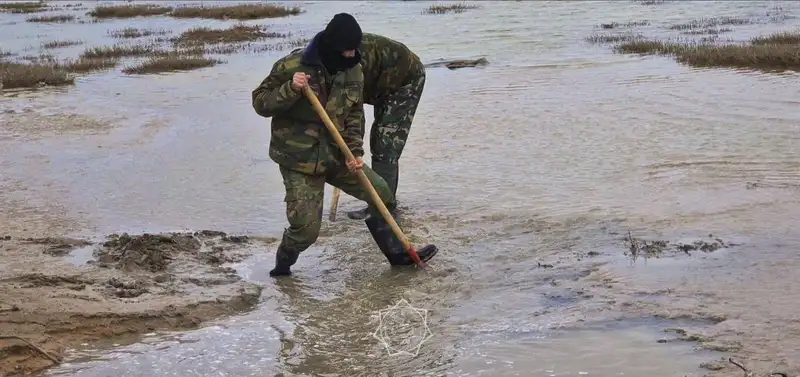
61, 293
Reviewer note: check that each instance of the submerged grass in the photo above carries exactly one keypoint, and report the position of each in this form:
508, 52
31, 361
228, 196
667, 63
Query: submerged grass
24, 7
174, 61
451, 8
773, 52
708, 31
612, 38
27, 75
129, 11
705, 23
52, 19
132, 32
60, 44
614, 25
236, 12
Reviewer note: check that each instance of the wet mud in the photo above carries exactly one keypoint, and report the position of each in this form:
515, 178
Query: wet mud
61, 293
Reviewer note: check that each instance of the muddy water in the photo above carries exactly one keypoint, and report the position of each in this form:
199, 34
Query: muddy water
516, 171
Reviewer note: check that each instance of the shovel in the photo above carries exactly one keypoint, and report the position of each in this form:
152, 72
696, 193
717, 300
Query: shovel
362, 178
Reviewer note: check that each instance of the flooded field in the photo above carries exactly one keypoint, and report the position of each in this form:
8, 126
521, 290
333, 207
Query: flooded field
608, 199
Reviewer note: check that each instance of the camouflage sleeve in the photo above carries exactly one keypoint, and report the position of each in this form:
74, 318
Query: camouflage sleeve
353, 133
275, 93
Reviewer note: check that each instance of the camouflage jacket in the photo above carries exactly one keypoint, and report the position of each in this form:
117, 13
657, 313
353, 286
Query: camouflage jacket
387, 65
299, 139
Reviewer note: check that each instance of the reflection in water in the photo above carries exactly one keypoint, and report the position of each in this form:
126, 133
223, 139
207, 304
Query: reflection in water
545, 157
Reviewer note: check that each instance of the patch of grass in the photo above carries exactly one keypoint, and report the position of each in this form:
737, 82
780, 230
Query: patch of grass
233, 34
174, 61
255, 48
129, 11
614, 25
709, 31
52, 19
60, 44
26, 7
4, 54
121, 51
770, 53
236, 12
29, 75
132, 32
83, 65
612, 38
705, 23
789, 37
451, 8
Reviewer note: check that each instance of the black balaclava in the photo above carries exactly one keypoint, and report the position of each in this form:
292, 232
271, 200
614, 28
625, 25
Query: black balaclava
342, 33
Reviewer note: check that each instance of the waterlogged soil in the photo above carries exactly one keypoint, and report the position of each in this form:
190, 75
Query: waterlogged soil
62, 293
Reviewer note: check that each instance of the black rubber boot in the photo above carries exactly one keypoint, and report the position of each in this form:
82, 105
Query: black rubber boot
390, 245
284, 260
390, 173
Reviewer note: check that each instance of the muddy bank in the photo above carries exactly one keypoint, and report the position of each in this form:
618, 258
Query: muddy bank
61, 293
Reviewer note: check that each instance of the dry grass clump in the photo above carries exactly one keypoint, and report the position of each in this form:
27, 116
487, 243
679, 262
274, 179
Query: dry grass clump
612, 38
129, 11
53, 19
84, 65
132, 32
121, 51
4, 54
705, 23
775, 52
174, 61
26, 7
451, 8
652, 2
233, 34
788, 37
60, 44
28, 75
236, 12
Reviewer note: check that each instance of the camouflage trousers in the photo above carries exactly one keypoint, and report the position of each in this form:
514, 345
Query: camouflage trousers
394, 114
304, 199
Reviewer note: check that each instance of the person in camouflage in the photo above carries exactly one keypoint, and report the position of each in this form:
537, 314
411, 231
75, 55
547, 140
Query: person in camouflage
301, 145
394, 78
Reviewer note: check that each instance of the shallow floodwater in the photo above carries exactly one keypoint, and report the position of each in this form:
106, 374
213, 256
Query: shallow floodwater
554, 150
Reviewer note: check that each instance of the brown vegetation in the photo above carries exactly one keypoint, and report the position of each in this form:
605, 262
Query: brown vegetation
26, 75
60, 44
774, 52
233, 34
26, 7
452, 8
174, 61
57, 18
132, 32
121, 51
129, 11
84, 65
236, 12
